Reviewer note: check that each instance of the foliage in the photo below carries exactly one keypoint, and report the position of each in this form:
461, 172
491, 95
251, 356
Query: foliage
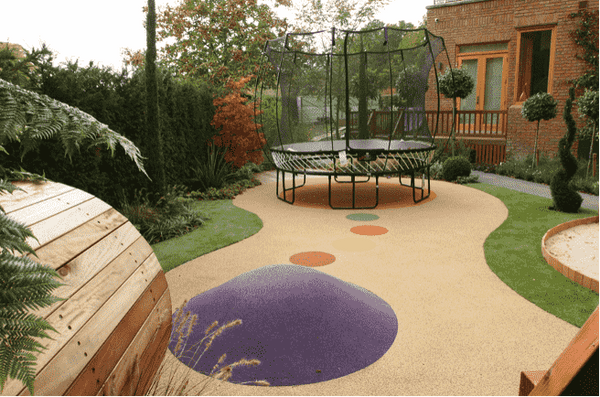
228, 192
24, 72
565, 197
183, 326
157, 159
587, 104
521, 168
237, 130
541, 106
455, 83
28, 117
410, 82
119, 100
24, 284
218, 40
454, 167
211, 173
586, 36
311, 16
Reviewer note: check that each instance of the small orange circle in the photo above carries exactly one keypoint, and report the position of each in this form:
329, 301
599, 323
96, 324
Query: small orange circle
312, 259
367, 230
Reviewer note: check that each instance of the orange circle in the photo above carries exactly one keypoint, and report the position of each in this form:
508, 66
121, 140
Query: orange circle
367, 230
312, 259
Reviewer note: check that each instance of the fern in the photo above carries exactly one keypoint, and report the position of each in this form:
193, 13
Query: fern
28, 117
24, 285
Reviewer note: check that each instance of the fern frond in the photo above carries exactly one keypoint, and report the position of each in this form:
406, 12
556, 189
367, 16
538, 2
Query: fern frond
17, 362
30, 117
13, 235
11, 119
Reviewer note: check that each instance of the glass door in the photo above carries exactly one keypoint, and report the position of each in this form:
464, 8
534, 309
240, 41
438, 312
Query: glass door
488, 74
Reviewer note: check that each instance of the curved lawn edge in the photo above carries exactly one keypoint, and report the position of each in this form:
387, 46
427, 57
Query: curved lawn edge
513, 252
227, 225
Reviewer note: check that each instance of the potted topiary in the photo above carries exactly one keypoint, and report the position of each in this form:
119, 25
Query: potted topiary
455, 83
541, 106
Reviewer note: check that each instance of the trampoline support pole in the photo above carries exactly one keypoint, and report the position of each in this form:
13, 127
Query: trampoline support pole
293, 189
353, 181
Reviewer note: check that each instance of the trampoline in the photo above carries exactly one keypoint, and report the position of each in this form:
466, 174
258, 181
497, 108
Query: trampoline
350, 105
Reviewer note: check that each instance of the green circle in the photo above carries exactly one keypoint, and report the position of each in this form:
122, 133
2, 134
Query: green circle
362, 217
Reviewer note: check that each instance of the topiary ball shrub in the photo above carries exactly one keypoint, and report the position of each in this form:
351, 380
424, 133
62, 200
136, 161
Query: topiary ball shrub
454, 167
455, 83
541, 106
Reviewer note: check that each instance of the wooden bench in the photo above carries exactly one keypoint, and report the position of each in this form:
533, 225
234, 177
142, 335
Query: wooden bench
575, 371
115, 324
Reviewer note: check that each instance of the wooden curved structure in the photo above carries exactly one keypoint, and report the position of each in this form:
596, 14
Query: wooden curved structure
565, 270
115, 324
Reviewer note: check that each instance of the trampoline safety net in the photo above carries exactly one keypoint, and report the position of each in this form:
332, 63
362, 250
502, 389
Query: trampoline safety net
349, 103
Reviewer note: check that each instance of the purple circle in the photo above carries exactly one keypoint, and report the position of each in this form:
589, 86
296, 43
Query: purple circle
304, 326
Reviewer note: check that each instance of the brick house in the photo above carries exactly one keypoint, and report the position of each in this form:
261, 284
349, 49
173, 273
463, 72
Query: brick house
513, 49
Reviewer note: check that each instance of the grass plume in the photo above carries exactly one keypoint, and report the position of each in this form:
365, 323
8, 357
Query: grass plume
176, 381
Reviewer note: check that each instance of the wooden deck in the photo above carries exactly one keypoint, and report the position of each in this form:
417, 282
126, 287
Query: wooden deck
115, 324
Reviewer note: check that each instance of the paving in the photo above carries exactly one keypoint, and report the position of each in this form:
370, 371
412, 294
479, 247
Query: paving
461, 330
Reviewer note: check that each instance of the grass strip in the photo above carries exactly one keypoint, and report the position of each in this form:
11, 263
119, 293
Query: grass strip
228, 224
513, 252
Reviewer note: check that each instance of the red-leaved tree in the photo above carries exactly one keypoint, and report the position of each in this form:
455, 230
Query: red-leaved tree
234, 118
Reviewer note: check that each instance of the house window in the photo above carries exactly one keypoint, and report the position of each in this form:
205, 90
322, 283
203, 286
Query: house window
535, 50
487, 65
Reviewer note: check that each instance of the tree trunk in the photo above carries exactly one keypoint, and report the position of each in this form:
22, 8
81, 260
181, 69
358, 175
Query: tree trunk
453, 134
537, 131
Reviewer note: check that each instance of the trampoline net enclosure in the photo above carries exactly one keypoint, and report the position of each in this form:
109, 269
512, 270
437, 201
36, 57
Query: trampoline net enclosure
349, 105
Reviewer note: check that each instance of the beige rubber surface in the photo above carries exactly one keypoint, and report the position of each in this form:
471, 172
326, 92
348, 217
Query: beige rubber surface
461, 330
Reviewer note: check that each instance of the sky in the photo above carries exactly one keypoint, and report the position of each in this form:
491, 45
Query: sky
99, 31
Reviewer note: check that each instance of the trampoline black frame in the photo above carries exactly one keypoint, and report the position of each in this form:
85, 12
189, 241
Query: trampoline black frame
422, 168
355, 154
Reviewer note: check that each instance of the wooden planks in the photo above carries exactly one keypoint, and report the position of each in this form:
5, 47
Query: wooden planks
575, 371
117, 308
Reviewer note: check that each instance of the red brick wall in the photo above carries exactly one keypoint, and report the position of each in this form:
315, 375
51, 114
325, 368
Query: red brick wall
482, 21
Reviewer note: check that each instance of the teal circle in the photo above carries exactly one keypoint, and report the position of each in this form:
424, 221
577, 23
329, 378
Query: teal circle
362, 217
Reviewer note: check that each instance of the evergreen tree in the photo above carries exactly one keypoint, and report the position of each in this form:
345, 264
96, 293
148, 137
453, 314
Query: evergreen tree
153, 125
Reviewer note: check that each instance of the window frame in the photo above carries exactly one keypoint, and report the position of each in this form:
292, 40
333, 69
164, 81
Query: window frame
529, 29
481, 56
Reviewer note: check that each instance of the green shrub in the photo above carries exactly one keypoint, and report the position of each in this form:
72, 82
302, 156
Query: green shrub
435, 171
564, 195
455, 83
214, 172
455, 167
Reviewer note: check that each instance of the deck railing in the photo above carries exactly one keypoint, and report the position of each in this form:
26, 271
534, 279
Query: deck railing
470, 123
471, 126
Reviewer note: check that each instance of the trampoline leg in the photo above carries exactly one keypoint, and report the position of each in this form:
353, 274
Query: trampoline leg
422, 188
354, 194
293, 188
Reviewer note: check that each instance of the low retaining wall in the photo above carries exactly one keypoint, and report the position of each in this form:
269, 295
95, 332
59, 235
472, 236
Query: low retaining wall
574, 275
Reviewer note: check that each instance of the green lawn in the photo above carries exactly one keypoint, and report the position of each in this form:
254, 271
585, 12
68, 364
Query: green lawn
227, 225
513, 251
